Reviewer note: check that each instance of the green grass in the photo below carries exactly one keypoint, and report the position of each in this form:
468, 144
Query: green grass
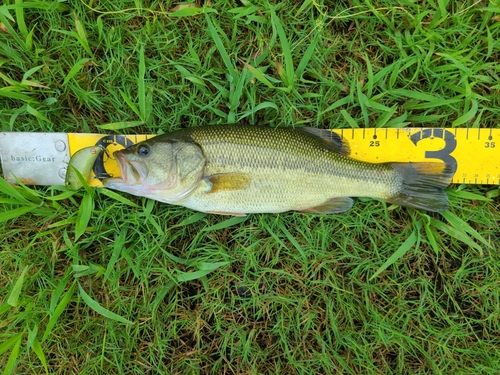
99, 283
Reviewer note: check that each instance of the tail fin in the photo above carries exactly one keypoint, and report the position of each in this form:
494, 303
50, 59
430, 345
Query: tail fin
423, 185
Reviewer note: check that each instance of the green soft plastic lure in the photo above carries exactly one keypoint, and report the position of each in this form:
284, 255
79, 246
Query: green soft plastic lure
82, 161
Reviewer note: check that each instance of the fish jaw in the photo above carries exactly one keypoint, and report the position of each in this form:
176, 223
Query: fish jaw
120, 184
131, 172
134, 180
115, 183
143, 190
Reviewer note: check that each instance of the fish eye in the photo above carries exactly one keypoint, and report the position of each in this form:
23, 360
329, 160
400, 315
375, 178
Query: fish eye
144, 151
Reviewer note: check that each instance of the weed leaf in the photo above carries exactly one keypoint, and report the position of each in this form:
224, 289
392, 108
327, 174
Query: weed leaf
94, 305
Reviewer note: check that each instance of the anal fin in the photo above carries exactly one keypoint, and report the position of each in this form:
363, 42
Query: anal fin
332, 206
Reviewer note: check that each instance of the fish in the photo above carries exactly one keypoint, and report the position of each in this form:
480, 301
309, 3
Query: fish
242, 169
82, 161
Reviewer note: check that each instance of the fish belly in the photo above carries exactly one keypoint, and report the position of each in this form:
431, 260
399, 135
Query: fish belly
269, 192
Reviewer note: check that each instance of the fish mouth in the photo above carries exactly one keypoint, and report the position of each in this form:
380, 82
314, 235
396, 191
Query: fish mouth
130, 171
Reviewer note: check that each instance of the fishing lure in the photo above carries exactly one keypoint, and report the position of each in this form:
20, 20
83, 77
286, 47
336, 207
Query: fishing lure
82, 161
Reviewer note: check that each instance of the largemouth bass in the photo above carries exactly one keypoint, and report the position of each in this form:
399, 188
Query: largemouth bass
242, 169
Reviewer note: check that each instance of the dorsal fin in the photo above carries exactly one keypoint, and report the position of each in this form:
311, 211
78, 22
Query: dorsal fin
331, 140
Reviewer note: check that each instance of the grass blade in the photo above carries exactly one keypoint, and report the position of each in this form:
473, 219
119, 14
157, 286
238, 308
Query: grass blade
257, 108
84, 214
431, 104
117, 197
226, 223
13, 299
29, 38
455, 233
58, 291
58, 311
141, 86
21, 24
37, 348
222, 50
75, 69
401, 251
120, 125
238, 89
415, 95
431, 236
259, 75
16, 212
81, 35
11, 363
235, 96
7, 344
119, 245
338, 103
466, 117
286, 50
384, 119
308, 54
130, 103
468, 195
94, 305
188, 11
462, 226
8, 92
188, 276
192, 219
211, 266
11, 31
363, 103
204, 269
349, 119
38, 115
11, 192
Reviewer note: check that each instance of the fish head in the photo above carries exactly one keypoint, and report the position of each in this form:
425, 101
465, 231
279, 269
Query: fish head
163, 170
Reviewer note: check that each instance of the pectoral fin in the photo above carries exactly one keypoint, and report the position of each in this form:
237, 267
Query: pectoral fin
332, 206
227, 181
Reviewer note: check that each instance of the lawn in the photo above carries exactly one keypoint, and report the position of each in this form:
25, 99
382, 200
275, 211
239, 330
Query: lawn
100, 283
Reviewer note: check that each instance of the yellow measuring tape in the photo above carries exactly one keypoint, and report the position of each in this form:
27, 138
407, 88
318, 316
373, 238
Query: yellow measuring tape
473, 153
